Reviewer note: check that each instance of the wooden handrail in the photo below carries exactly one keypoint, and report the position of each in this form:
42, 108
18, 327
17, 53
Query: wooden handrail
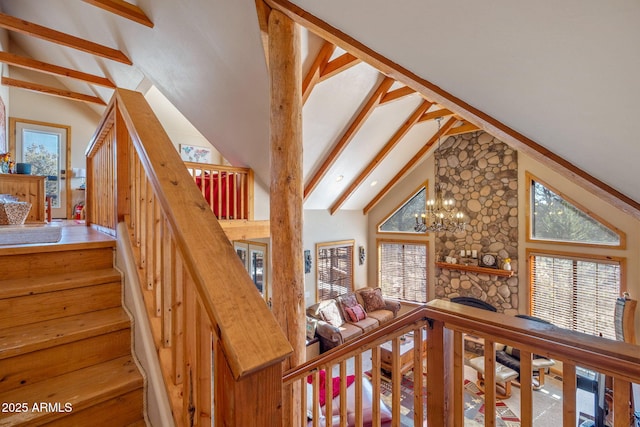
192, 279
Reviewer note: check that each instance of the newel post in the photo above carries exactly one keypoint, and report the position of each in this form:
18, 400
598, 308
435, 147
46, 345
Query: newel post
440, 375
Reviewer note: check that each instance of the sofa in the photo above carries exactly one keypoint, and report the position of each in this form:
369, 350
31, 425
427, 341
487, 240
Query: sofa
350, 315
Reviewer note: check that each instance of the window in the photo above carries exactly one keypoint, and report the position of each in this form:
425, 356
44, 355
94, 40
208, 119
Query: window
576, 293
334, 268
556, 218
402, 220
403, 270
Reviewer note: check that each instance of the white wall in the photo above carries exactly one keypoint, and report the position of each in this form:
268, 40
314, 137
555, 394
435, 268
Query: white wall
50, 109
320, 226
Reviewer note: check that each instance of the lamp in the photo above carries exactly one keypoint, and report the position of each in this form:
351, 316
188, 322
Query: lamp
80, 173
440, 214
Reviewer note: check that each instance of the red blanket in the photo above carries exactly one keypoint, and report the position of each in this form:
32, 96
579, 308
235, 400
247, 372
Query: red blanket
336, 385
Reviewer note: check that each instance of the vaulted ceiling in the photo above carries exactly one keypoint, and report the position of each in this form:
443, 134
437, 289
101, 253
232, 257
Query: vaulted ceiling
560, 78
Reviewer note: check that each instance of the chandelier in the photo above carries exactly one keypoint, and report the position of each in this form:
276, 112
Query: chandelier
440, 214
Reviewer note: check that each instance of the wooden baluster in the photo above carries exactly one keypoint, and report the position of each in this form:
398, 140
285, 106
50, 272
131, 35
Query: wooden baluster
343, 394
568, 394
178, 318
328, 393
396, 380
458, 378
621, 400
167, 283
526, 389
489, 382
357, 371
204, 358
375, 382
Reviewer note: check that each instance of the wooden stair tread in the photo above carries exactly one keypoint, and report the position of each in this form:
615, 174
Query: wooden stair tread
36, 285
81, 389
36, 336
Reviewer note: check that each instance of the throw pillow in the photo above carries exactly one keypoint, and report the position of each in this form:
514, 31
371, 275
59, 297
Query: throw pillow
372, 299
322, 374
356, 313
331, 315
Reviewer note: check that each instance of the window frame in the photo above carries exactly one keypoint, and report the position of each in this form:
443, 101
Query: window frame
530, 179
338, 244
575, 256
425, 243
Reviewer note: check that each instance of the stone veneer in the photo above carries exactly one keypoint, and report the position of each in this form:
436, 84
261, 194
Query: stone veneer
481, 174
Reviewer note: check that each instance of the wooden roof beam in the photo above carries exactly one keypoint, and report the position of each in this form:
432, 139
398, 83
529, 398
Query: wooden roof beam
34, 87
43, 67
400, 133
409, 165
465, 127
347, 136
397, 94
431, 115
29, 28
123, 9
313, 76
338, 65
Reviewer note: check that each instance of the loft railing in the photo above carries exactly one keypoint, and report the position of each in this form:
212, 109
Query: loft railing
203, 308
446, 324
228, 190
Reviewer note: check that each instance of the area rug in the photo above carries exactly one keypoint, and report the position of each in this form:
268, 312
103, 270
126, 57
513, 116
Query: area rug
474, 409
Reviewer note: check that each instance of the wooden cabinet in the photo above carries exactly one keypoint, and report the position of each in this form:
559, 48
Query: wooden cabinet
27, 188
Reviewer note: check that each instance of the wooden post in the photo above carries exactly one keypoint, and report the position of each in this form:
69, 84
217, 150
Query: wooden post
439, 375
286, 196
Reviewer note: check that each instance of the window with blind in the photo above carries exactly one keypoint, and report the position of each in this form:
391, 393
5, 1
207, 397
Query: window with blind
575, 293
334, 268
403, 270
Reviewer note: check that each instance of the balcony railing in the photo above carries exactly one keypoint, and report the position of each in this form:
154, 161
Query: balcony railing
446, 324
227, 189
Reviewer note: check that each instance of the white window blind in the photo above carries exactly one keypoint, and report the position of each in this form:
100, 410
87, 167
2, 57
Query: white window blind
575, 293
334, 269
403, 270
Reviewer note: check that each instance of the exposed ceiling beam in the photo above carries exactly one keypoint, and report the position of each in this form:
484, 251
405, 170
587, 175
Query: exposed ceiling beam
481, 119
29, 28
124, 9
435, 114
43, 67
263, 11
410, 164
338, 65
465, 127
347, 136
400, 133
397, 94
34, 87
313, 76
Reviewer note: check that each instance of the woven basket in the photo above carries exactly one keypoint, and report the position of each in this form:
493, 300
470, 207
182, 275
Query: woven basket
14, 212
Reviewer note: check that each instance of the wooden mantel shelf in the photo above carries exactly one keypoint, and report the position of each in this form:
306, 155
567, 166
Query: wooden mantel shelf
475, 269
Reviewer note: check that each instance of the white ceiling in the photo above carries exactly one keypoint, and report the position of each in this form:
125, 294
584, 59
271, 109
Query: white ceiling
564, 75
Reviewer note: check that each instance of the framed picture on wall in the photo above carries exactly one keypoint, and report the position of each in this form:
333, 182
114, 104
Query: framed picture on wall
194, 153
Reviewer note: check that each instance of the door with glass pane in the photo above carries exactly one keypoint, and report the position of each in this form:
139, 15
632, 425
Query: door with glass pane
254, 257
46, 148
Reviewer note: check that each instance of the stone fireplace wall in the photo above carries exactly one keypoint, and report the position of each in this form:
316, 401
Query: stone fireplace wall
481, 174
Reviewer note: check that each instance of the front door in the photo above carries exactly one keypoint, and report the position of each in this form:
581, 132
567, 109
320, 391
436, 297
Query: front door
46, 148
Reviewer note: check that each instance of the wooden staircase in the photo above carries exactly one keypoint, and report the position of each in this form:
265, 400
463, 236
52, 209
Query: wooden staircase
65, 340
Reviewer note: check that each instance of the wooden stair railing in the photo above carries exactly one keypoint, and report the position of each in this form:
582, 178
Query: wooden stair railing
197, 293
445, 324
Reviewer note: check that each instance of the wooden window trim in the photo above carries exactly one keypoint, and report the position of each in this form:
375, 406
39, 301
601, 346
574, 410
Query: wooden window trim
530, 178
